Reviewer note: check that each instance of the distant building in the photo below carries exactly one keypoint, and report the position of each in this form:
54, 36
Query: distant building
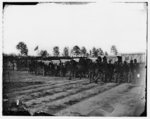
140, 57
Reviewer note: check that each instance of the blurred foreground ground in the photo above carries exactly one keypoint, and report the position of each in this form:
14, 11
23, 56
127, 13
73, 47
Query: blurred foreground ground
63, 97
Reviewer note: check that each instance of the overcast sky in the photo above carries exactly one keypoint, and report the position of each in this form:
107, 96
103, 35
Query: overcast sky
90, 25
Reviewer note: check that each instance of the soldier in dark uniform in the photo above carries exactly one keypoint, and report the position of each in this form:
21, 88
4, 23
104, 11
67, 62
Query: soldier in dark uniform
125, 71
91, 71
131, 71
98, 70
52, 67
110, 71
115, 72
136, 71
99, 60
57, 68
105, 69
119, 70
72, 69
63, 70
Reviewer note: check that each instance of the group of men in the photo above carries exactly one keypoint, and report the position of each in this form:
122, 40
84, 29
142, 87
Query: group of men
118, 71
102, 69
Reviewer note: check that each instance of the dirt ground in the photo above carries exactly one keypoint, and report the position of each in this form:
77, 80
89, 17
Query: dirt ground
62, 97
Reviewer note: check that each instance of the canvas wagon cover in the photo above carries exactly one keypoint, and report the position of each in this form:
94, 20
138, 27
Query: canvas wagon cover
64, 60
55, 61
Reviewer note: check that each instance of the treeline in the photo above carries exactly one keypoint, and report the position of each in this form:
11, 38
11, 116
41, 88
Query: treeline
74, 51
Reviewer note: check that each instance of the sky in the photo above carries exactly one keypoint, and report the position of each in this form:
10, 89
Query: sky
91, 25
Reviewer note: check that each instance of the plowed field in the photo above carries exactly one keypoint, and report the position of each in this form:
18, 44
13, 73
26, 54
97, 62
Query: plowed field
62, 97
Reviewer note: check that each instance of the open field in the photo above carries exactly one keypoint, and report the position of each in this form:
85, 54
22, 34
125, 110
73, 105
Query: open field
62, 97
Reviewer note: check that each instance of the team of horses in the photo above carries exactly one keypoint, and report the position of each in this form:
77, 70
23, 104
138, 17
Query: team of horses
100, 70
